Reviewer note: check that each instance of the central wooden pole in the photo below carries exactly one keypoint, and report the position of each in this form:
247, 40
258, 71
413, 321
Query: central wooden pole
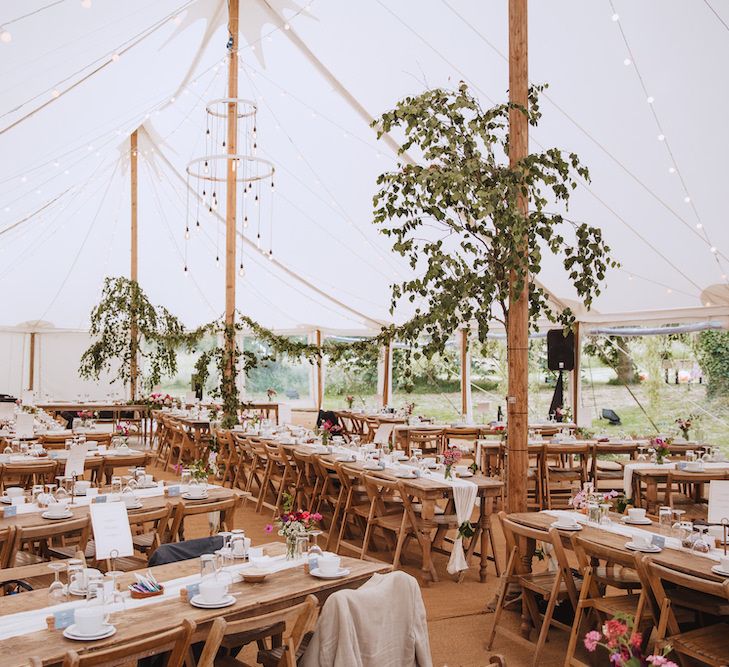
134, 165
231, 187
386, 371
319, 374
517, 334
31, 368
465, 403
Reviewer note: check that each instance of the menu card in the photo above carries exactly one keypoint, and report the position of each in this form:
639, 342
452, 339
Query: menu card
718, 500
76, 460
112, 533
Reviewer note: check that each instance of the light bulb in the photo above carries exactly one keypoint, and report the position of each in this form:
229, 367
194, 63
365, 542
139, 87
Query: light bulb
115, 57
270, 255
287, 26
661, 137
671, 170
616, 17
187, 233
55, 93
712, 249
5, 36
708, 303
687, 199
627, 62
650, 100
669, 290
241, 271
699, 225
86, 4
24, 179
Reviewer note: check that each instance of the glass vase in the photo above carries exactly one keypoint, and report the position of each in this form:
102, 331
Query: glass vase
448, 474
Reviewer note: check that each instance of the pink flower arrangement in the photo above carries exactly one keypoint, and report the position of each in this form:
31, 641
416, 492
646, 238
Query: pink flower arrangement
451, 456
86, 414
123, 429
624, 645
580, 499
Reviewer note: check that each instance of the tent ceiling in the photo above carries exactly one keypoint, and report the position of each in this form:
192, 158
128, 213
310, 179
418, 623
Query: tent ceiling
65, 168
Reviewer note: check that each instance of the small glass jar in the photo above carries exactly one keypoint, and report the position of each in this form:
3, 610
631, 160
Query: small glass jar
688, 534
207, 566
605, 514
593, 513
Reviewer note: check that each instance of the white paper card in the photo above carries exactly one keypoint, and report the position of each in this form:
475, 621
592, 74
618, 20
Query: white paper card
382, 434
24, 425
7, 411
28, 398
110, 524
76, 459
718, 500
190, 398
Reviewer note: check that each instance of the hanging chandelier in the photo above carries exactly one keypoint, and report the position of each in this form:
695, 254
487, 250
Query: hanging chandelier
208, 177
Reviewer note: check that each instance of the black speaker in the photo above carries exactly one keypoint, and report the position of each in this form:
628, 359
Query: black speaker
560, 350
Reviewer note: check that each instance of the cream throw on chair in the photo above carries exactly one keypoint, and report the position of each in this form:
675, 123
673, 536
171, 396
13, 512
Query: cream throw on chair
380, 624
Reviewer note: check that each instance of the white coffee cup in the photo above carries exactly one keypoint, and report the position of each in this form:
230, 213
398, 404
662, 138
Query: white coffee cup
130, 500
57, 509
636, 514
329, 563
13, 492
148, 480
724, 563
213, 589
642, 541
567, 522
196, 491
82, 486
461, 470
90, 620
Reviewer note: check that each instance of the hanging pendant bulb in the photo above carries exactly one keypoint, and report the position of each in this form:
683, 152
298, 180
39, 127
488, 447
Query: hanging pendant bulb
256, 200
258, 241
197, 223
187, 233
270, 255
208, 132
217, 261
245, 222
223, 143
241, 270
185, 269
203, 193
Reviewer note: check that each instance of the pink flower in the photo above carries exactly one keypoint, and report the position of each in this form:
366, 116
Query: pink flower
591, 640
268, 528
660, 660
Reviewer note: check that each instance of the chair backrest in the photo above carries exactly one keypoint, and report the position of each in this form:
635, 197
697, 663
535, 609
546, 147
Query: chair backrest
157, 519
26, 535
298, 620
174, 552
226, 507
44, 470
174, 641
7, 540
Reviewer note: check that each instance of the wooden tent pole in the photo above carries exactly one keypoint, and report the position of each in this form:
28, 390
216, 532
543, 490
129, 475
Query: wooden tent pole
518, 316
319, 375
231, 186
133, 273
31, 369
386, 370
465, 379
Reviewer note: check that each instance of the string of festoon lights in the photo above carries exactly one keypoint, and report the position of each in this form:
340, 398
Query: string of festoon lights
673, 168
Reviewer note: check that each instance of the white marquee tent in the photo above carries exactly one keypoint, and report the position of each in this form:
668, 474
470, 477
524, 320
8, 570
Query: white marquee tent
634, 90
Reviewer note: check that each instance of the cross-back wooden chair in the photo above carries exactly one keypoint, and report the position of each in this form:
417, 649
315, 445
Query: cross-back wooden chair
601, 564
227, 456
182, 447
552, 587
358, 426
7, 539
608, 473
685, 490
34, 544
707, 644
452, 437
330, 498
292, 625
535, 476
276, 479
307, 482
184, 509
175, 642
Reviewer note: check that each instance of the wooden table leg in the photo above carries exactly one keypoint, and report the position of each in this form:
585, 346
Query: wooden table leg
487, 505
651, 495
528, 611
427, 513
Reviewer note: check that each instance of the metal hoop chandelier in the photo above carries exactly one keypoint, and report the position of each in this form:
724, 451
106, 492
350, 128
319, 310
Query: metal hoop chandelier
209, 172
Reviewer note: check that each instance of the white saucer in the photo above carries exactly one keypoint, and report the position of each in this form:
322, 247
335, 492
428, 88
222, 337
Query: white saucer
405, 475
345, 459
651, 549
465, 474
80, 592
342, 572
225, 602
70, 633
561, 526
371, 466
153, 485
637, 522
716, 569
56, 517
187, 496
136, 506
5, 500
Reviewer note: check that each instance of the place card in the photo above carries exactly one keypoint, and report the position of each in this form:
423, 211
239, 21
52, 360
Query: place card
681, 465
192, 590
173, 490
718, 501
10, 511
62, 619
112, 533
658, 541
18, 500
76, 460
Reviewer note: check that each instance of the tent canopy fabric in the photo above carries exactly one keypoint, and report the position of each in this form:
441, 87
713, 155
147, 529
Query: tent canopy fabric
629, 91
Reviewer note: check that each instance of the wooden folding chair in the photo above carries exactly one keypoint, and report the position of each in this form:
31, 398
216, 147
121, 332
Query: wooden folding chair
430, 441
175, 642
184, 509
297, 622
707, 644
331, 496
276, 478
599, 565
33, 544
565, 472
307, 482
355, 507
27, 474
553, 587
387, 514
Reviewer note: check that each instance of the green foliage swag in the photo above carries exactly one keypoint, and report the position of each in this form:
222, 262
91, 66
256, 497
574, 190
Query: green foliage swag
713, 352
464, 189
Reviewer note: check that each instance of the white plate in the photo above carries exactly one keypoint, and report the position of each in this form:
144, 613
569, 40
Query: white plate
342, 572
187, 496
137, 506
465, 474
716, 569
225, 602
56, 517
70, 633
6, 501
405, 475
80, 592
561, 526
345, 459
637, 522
651, 549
